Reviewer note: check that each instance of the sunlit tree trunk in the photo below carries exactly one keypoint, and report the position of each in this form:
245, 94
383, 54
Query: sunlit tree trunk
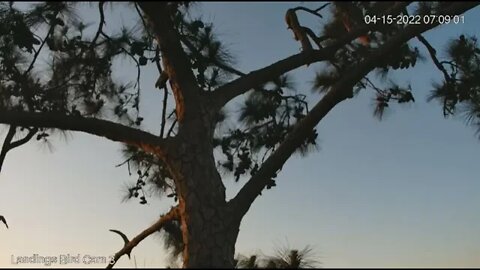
208, 227
209, 223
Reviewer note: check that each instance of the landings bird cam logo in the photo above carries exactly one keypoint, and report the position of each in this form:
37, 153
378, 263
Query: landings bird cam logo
62, 259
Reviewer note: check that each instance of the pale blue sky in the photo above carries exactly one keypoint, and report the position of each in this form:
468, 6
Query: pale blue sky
403, 192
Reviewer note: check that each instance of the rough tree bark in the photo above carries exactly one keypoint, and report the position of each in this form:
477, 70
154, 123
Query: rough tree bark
209, 232
210, 225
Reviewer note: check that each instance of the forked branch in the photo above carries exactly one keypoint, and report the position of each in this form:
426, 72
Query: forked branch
337, 93
94, 126
9, 144
130, 244
239, 86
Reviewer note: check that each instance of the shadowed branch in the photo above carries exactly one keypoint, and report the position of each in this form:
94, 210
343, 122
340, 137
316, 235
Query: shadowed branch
313, 12
337, 93
175, 61
94, 126
4, 221
9, 145
130, 244
243, 84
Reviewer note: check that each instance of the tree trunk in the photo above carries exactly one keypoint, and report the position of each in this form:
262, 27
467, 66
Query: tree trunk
209, 238
209, 229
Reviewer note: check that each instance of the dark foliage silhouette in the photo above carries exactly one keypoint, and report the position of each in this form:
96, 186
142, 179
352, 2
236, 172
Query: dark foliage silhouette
4, 221
75, 91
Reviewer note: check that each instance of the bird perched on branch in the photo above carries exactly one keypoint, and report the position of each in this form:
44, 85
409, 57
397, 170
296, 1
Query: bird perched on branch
2, 219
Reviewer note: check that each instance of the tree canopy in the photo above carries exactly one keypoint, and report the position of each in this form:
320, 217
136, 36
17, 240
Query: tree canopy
59, 74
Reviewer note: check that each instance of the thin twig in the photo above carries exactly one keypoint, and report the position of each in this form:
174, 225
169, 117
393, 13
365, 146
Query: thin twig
433, 55
314, 12
322, 7
7, 144
165, 93
31, 133
438, 64
164, 111
37, 52
171, 128
137, 8
127, 160
100, 24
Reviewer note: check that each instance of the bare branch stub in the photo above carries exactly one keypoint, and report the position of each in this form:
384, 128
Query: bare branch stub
298, 31
301, 33
2, 219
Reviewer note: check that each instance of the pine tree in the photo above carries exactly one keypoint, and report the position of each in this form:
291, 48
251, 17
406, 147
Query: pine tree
76, 91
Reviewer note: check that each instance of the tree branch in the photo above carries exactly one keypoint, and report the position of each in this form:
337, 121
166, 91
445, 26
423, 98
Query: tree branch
433, 55
26, 139
170, 130
227, 68
7, 144
239, 86
37, 53
175, 61
161, 85
338, 92
99, 127
314, 37
164, 111
313, 12
127, 248
100, 24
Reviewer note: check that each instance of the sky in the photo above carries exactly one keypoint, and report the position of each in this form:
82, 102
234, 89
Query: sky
401, 192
